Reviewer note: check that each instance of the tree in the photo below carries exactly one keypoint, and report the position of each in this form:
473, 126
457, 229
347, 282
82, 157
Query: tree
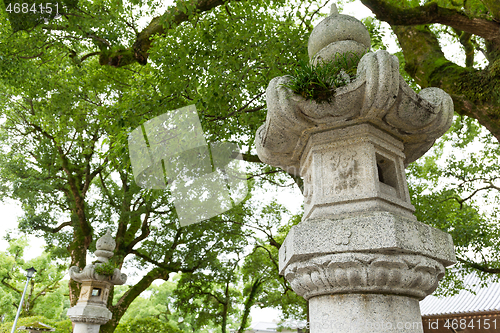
73, 87
64, 140
261, 267
212, 297
157, 301
146, 325
43, 296
459, 194
226, 294
474, 26
417, 25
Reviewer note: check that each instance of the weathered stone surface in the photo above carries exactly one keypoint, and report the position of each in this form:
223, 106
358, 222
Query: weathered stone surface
105, 247
89, 313
379, 96
365, 273
89, 273
359, 256
352, 169
364, 313
335, 30
86, 328
377, 232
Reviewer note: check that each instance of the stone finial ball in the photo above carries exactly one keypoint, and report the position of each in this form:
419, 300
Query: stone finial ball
339, 34
106, 242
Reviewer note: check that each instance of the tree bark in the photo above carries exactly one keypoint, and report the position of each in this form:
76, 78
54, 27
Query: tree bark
249, 303
474, 92
432, 13
139, 52
118, 310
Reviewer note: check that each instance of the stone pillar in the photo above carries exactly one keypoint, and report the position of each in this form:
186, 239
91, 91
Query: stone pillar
359, 256
91, 310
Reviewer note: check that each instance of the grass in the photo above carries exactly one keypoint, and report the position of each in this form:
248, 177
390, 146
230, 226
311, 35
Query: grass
319, 82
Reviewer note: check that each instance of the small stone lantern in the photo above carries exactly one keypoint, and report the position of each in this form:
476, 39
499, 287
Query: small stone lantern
36, 327
359, 255
91, 310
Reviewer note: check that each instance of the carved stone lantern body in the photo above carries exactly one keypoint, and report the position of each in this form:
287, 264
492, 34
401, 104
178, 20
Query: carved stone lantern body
91, 310
354, 169
359, 256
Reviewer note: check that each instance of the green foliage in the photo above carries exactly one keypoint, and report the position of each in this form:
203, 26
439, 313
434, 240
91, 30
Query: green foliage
456, 192
63, 326
44, 295
376, 34
64, 154
145, 325
157, 301
319, 82
262, 264
408, 79
25, 15
213, 303
74, 115
107, 268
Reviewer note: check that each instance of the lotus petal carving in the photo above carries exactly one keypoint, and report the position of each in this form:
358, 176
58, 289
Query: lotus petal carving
399, 274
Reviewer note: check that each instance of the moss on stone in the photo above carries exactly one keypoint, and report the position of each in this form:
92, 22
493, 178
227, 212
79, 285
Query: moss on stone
105, 268
37, 326
319, 82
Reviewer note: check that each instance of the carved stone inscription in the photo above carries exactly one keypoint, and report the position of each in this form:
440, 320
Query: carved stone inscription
85, 293
308, 189
342, 236
344, 172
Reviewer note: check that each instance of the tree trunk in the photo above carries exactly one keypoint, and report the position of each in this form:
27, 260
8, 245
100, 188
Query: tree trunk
118, 310
474, 92
249, 303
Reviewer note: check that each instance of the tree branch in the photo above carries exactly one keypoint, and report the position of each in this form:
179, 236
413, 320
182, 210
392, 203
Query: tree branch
432, 13
60, 226
139, 52
10, 286
251, 158
473, 91
479, 267
144, 231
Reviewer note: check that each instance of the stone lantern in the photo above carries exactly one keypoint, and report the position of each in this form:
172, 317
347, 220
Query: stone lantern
91, 310
36, 327
359, 255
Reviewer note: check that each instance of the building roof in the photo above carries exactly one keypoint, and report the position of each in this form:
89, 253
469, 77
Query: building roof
264, 327
485, 300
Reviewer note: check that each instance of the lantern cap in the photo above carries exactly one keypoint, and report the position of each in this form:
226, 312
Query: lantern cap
30, 272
